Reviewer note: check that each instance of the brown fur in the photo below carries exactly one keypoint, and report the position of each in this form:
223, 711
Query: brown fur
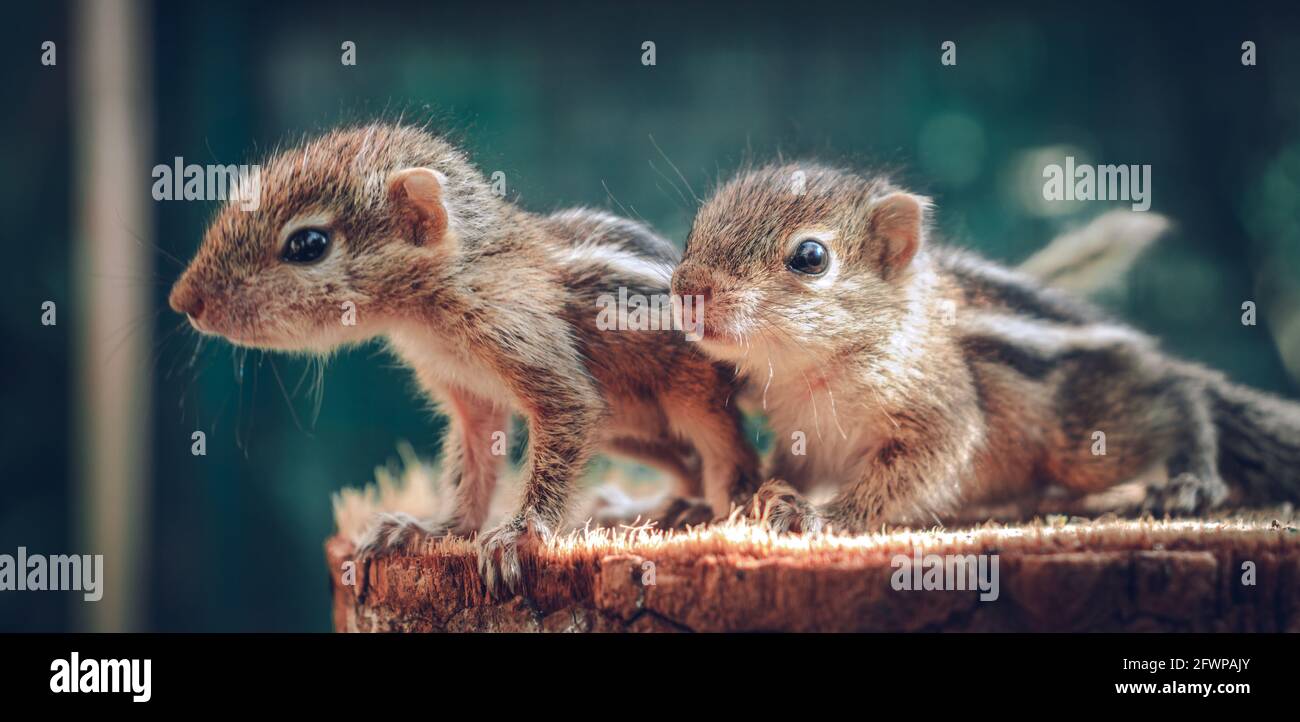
929, 381
493, 308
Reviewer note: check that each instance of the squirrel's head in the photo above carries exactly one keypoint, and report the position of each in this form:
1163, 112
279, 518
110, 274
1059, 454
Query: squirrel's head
794, 261
345, 232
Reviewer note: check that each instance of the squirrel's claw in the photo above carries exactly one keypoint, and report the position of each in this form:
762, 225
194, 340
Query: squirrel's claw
783, 509
390, 532
1186, 495
681, 512
393, 531
498, 554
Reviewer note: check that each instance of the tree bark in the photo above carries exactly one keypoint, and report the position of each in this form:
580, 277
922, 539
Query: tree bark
1089, 576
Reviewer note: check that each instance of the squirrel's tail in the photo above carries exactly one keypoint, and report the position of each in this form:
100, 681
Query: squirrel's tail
1096, 256
1259, 442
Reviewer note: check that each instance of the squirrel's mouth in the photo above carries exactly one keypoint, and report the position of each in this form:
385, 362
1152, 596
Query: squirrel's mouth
718, 328
719, 341
717, 335
303, 336
237, 338
210, 324
727, 325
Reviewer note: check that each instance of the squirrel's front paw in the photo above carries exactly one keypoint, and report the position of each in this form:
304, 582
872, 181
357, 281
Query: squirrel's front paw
1186, 494
390, 532
681, 512
394, 531
614, 508
782, 508
498, 553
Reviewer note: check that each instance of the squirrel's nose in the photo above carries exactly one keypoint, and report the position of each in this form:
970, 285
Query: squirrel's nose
688, 282
695, 291
184, 299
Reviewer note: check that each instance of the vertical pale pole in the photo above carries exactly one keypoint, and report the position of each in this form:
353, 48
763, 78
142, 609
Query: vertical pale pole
112, 264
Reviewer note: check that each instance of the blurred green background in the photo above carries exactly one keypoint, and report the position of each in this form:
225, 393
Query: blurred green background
556, 97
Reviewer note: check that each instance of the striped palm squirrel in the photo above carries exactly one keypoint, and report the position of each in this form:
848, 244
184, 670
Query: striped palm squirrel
925, 377
493, 308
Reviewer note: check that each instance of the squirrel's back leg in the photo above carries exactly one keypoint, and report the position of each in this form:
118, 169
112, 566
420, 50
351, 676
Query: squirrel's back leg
1194, 484
672, 458
682, 506
700, 410
1124, 411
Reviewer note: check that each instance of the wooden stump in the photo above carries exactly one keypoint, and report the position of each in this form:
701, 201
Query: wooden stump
1116, 575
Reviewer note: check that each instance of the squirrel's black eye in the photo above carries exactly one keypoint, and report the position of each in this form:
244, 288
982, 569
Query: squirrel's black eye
306, 246
811, 258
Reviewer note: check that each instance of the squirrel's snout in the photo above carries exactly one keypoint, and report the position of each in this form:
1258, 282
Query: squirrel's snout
695, 290
700, 291
184, 299
687, 281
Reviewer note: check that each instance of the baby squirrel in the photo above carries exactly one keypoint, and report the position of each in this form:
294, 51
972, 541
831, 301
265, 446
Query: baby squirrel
493, 308
926, 377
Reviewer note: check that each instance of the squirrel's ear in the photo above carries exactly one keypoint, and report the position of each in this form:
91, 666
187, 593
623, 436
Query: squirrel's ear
417, 193
897, 223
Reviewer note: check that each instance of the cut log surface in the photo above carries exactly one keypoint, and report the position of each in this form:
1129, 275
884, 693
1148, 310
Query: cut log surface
1110, 575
